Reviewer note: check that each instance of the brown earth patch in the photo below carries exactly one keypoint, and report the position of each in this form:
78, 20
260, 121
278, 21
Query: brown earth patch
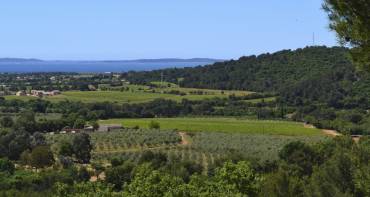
333, 133
184, 141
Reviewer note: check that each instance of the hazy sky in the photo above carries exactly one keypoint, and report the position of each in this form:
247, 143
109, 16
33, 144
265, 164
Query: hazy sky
130, 29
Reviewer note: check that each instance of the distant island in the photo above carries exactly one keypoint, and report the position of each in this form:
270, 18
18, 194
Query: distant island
8, 60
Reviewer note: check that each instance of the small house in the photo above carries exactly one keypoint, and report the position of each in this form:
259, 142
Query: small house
110, 127
55, 92
91, 87
21, 93
89, 129
37, 93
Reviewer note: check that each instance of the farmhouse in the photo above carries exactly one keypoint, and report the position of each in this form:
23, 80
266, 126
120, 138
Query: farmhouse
21, 93
36, 93
110, 127
72, 130
91, 87
41, 93
89, 129
55, 92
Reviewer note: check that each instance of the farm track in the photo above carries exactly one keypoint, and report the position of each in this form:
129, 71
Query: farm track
184, 141
95, 178
328, 132
333, 133
205, 164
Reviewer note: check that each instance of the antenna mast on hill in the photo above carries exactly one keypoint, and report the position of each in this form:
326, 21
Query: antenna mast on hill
313, 38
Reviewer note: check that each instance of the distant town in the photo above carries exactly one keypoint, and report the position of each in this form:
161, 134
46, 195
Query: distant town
38, 93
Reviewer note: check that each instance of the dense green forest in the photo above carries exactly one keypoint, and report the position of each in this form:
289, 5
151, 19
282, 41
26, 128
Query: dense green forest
328, 70
265, 72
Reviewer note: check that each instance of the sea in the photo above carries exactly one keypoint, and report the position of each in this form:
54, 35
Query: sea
95, 66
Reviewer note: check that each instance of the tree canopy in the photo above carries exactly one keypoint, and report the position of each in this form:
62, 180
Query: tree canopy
351, 21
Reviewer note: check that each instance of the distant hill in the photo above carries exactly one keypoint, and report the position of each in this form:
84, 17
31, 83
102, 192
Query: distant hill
13, 60
167, 60
9, 60
265, 72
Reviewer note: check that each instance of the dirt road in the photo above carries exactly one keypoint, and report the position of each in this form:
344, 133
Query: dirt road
329, 132
184, 141
333, 133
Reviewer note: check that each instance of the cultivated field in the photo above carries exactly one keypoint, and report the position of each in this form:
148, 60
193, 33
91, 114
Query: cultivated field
136, 94
204, 148
229, 125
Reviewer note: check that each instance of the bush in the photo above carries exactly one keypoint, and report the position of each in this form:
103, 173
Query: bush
154, 125
116, 162
6, 121
6, 166
41, 156
120, 175
66, 149
82, 147
299, 154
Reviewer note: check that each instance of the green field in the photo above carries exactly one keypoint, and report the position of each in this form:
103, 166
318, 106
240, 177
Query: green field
230, 125
134, 96
114, 96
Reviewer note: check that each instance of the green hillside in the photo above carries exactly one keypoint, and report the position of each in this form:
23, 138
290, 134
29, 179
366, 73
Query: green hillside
312, 74
265, 72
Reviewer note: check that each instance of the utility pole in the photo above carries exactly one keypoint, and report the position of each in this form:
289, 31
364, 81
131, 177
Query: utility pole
313, 38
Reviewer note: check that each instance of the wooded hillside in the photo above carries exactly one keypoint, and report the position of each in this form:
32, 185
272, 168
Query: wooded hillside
312, 74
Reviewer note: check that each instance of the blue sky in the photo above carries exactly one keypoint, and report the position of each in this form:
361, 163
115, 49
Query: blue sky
132, 29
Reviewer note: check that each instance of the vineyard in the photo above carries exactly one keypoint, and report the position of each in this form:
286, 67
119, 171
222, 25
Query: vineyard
204, 148
125, 140
251, 146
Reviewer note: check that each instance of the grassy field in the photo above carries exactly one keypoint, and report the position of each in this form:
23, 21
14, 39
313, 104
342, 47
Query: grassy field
114, 96
137, 94
230, 125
